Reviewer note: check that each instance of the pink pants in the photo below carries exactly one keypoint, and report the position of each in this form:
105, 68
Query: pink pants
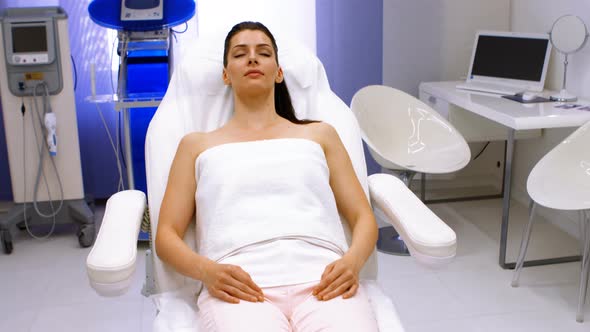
287, 308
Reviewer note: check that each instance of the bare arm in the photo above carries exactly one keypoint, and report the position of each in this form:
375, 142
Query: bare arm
341, 277
227, 282
177, 211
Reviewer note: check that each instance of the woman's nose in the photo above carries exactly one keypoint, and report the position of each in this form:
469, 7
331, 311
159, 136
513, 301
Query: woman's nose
252, 58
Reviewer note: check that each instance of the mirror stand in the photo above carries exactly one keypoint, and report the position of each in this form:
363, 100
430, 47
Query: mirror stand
563, 95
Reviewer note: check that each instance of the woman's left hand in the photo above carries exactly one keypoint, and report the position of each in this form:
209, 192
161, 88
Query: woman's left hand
341, 277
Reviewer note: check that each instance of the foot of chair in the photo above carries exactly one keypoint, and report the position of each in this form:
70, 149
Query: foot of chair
389, 242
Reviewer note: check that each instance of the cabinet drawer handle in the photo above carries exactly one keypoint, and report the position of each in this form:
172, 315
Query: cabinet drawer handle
432, 100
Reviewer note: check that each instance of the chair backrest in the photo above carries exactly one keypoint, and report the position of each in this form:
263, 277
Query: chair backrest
197, 100
561, 179
402, 132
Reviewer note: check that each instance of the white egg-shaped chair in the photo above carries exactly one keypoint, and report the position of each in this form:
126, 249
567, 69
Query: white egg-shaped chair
561, 181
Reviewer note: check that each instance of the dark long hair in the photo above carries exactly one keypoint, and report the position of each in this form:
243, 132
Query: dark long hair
283, 105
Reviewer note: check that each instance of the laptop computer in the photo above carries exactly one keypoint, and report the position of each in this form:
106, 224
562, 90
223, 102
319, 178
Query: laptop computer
508, 63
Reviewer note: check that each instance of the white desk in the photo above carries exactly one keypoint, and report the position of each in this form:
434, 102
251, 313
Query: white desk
515, 116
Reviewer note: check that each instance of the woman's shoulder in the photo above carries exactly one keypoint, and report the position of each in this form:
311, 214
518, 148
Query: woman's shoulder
194, 143
321, 132
198, 142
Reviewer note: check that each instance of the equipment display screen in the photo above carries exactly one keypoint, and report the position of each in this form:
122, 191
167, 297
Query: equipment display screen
142, 4
32, 39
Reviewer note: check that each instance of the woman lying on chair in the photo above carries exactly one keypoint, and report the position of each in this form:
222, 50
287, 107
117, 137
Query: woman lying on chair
272, 253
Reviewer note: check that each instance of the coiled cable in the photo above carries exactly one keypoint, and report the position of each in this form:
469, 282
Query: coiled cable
42, 148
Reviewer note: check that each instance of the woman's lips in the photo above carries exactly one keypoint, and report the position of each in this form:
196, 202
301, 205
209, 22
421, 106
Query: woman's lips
254, 73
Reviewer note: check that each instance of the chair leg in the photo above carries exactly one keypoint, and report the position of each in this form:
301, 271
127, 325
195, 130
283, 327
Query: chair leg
524, 243
389, 240
585, 270
583, 234
405, 175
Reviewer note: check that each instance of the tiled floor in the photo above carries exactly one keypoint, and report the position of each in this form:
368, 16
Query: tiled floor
44, 287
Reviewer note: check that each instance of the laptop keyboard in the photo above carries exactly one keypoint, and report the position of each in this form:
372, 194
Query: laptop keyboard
490, 88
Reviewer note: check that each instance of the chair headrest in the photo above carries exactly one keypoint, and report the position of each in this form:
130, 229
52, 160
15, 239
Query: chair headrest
197, 83
205, 57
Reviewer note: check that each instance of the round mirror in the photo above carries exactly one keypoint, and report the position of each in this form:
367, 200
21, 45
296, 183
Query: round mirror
568, 34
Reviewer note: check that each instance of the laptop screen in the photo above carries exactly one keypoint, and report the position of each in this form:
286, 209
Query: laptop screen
510, 57
514, 59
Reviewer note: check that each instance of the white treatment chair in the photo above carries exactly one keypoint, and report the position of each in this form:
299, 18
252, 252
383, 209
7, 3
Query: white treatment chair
197, 100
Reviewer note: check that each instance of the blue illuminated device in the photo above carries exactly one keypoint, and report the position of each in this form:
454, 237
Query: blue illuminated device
141, 15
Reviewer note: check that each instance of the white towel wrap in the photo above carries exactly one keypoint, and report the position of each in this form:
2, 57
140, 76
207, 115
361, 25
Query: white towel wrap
258, 191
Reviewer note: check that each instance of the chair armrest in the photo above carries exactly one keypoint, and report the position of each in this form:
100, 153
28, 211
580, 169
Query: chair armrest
111, 262
429, 240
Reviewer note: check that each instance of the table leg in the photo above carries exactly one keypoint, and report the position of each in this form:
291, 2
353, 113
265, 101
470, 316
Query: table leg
506, 196
506, 211
423, 187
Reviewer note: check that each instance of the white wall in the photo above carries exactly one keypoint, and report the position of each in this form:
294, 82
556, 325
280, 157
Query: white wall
294, 19
431, 40
538, 16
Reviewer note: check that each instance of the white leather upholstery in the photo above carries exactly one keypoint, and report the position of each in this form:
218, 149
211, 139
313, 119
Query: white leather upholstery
111, 262
429, 239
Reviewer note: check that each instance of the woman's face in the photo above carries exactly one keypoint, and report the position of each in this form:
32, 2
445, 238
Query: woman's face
251, 62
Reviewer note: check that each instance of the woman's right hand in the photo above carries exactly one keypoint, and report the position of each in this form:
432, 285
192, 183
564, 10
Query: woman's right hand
230, 283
